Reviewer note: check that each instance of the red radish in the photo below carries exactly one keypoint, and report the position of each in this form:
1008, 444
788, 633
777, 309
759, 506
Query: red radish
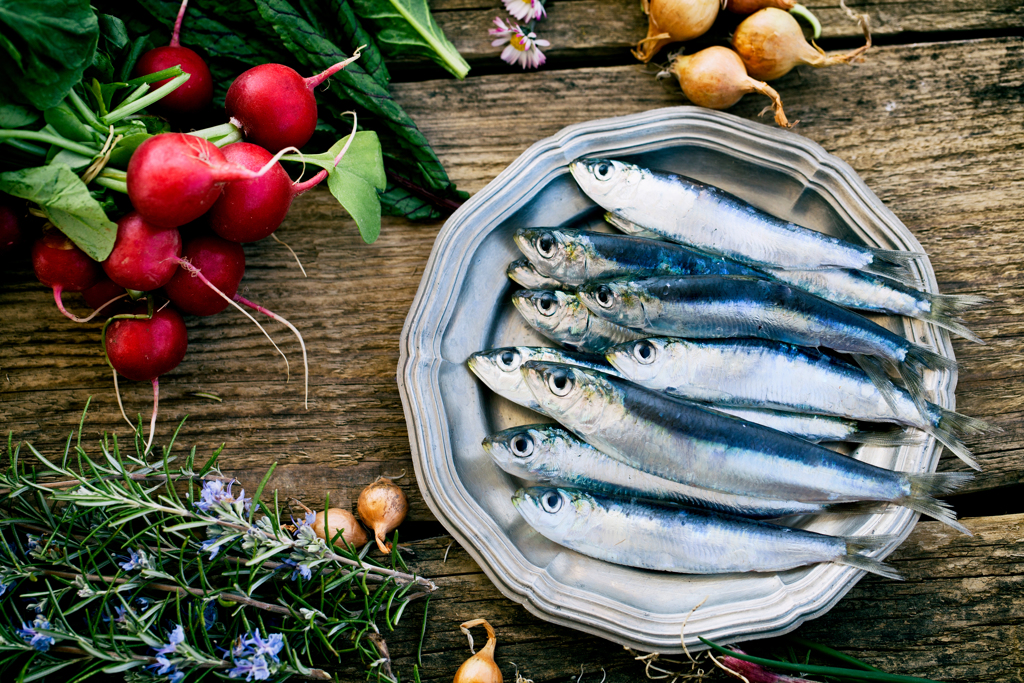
222, 262
10, 229
107, 297
63, 266
672, 21
771, 44
145, 257
274, 106
196, 93
715, 78
174, 178
249, 210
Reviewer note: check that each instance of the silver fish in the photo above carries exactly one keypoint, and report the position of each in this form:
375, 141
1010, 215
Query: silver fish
716, 307
579, 256
499, 369
681, 441
814, 428
764, 374
863, 291
563, 318
523, 273
548, 454
712, 220
671, 539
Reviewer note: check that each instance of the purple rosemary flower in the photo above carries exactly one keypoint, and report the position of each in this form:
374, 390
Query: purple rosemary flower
176, 638
31, 636
136, 560
214, 493
270, 647
255, 669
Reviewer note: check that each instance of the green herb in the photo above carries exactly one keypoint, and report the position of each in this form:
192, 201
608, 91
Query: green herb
406, 27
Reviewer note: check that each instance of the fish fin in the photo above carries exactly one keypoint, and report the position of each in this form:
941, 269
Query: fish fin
924, 488
917, 360
946, 310
950, 424
870, 565
857, 507
877, 375
892, 437
896, 265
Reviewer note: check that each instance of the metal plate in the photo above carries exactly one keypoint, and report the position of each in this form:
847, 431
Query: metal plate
463, 305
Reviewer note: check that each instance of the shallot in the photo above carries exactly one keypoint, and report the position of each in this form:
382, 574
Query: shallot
672, 21
480, 668
382, 507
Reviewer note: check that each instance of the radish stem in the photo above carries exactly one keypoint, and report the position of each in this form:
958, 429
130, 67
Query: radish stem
143, 102
275, 316
177, 24
314, 81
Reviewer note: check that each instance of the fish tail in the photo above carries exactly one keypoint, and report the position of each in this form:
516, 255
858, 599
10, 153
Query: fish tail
871, 565
873, 368
896, 265
946, 310
912, 369
949, 424
855, 543
892, 437
924, 488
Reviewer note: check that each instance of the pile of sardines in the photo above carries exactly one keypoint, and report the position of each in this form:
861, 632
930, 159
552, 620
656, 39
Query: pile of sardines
710, 351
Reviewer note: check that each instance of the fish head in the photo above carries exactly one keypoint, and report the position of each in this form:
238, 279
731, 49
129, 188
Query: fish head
527, 452
612, 184
549, 310
638, 361
499, 370
554, 512
575, 396
620, 301
524, 273
554, 252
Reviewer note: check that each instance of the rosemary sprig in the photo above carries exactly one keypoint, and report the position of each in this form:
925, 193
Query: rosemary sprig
150, 565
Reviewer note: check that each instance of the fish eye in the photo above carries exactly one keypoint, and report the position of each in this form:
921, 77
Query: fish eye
551, 501
522, 446
643, 351
604, 296
547, 304
603, 171
546, 245
509, 359
559, 383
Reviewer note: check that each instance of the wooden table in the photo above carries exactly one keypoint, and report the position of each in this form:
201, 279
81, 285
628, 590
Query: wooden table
933, 120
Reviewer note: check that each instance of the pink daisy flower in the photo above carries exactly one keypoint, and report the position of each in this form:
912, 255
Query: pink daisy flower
523, 48
525, 10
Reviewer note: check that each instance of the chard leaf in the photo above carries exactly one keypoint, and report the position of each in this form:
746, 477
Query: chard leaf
66, 201
406, 27
48, 46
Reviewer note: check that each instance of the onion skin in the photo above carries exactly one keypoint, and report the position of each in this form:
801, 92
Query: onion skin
480, 668
751, 6
337, 520
382, 507
771, 43
672, 21
716, 78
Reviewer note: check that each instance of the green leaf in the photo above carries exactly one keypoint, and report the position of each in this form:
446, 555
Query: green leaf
67, 203
113, 30
124, 149
73, 160
16, 115
49, 44
68, 125
406, 27
360, 199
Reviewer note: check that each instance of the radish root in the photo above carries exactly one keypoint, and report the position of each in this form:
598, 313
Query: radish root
117, 393
305, 363
71, 316
280, 241
152, 420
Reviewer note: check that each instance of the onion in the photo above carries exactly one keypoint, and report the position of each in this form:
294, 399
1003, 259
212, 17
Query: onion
771, 43
715, 78
671, 21
339, 520
382, 507
480, 668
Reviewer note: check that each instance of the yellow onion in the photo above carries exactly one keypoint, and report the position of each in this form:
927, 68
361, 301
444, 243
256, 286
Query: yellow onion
336, 520
480, 668
715, 78
382, 507
671, 21
770, 43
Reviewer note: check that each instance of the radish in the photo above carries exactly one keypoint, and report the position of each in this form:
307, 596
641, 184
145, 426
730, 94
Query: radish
61, 265
104, 297
274, 106
771, 44
144, 257
222, 262
715, 78
249, 210
142, 348
197, 92
672, 21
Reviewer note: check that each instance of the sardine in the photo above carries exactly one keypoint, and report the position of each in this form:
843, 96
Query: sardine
712, 220
681, 441
563, 318
499, 369
523, 273
547, 454
688, 541
717, 307
859, 290
764, 374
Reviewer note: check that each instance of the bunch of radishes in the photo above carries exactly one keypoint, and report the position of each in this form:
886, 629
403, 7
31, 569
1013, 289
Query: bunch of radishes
766, 45
231, 195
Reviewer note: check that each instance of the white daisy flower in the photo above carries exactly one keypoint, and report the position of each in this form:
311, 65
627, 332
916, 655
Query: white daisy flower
526, 10
523, 48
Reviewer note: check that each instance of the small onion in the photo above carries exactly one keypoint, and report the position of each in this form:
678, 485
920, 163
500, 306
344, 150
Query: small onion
480, 668
671, 21
771, 43
715, 78
382, 507
340, 520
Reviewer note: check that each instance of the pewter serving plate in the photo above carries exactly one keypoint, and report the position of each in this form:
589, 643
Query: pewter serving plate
463, 305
